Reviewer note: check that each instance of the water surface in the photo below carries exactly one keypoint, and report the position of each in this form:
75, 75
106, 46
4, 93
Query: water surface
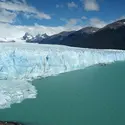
94, 96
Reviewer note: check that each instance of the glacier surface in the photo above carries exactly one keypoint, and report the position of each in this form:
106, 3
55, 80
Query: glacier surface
31, 61
20, 63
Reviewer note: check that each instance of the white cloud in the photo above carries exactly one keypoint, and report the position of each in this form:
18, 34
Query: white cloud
72, 22
97, 22
22, 6
122, 17
84, 17
7, 16
90, 5
10, 9
28, 15
72, 5
17, 31
59, 6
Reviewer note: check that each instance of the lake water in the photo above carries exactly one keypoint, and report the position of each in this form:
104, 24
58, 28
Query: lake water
93, 96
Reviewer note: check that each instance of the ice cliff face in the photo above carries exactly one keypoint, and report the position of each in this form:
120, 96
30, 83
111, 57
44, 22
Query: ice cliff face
33, 61
20, 63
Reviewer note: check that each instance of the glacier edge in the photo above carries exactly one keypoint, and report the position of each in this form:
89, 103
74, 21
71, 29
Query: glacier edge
29, 62
21, 63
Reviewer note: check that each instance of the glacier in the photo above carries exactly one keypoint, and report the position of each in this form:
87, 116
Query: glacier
31, 61
22, 63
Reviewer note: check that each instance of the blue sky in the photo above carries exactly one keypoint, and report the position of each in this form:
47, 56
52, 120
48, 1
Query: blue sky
58, 9
53, 16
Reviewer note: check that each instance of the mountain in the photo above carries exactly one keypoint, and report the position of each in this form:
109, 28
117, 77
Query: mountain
65, 38
34, 39
88, 30
77, 39
56, 39
111, 36
116, 24
27, 37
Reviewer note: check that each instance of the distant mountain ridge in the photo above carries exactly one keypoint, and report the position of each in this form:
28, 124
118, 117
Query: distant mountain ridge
34, 39
112, 36
61, 37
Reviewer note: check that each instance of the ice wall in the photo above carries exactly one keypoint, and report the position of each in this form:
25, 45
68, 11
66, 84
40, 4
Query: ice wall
32, 61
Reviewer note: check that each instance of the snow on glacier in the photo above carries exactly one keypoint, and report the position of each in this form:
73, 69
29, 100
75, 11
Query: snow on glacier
24, 62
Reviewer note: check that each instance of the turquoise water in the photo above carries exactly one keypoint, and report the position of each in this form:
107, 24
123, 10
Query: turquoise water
94, 96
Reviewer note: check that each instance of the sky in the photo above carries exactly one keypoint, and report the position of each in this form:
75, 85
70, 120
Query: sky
53, 16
